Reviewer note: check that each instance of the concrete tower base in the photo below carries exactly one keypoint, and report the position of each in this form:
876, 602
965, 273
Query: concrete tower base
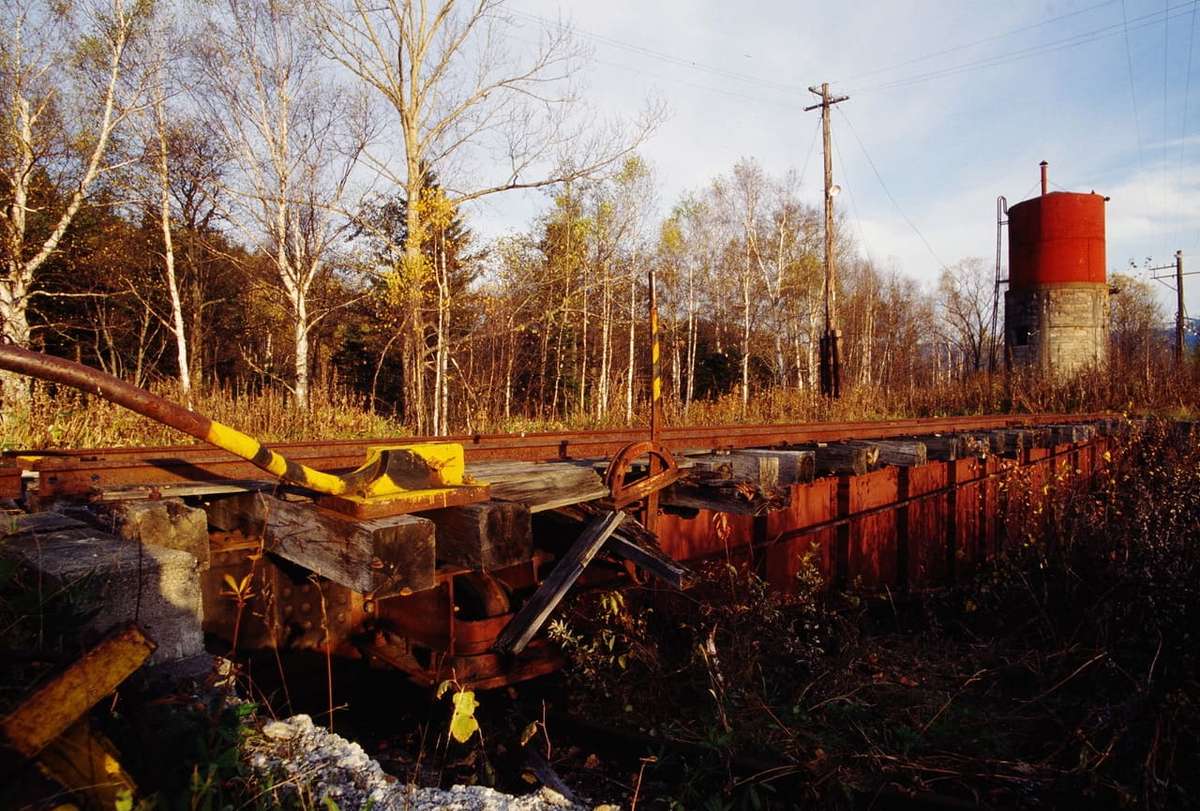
1057, 328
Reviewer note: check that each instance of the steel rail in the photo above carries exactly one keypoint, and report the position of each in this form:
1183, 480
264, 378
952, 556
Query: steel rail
90, 470
235, 443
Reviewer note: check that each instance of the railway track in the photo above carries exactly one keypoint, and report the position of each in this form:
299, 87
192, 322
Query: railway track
81, 471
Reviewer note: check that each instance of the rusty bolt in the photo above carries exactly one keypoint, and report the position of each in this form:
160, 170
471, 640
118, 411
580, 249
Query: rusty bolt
306, 607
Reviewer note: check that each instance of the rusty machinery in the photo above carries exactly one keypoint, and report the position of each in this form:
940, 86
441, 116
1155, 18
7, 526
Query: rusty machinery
449, 627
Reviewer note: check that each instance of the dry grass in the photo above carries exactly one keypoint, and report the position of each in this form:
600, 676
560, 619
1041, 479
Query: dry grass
65, 418
60, 418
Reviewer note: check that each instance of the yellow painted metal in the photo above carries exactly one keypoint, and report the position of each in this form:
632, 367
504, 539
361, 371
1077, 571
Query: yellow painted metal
58, 703
408, 478
251, 449
84, 762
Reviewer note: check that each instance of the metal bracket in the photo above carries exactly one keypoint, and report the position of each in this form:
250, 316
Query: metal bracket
624, 494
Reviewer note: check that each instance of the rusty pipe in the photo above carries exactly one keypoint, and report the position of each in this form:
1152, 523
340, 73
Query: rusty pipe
93, 381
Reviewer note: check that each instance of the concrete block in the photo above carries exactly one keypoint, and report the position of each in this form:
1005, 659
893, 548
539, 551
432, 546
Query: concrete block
157, 587
164, 522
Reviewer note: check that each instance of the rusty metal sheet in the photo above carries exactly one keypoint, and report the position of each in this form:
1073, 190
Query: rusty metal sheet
926, 564
810, 504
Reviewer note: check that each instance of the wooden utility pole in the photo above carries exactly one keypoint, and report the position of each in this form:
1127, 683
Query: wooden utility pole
831, 365
1179, 308
1180, 332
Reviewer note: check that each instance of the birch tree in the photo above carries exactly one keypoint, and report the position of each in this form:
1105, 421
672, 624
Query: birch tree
295, 136
65, 91
484, 117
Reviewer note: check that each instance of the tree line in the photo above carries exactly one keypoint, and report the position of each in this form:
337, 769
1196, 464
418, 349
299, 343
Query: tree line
250, 194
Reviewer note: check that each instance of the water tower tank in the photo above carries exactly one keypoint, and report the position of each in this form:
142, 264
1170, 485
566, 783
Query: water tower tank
1056, 306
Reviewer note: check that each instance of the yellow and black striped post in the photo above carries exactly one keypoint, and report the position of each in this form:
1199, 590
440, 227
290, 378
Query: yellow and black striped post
651, 519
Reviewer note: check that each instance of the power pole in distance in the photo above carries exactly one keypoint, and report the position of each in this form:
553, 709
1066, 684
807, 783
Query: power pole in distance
831, 364
1179, 314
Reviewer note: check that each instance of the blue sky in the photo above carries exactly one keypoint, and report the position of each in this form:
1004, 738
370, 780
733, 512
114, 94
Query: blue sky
955, 103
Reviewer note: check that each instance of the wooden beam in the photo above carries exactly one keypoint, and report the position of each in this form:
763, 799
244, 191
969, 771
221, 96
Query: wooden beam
844, 458
759, 469
898, 452
537, 609
379, 556
488, 535
795, 467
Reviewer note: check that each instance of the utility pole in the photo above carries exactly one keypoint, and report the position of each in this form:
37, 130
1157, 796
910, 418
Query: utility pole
1179, 315
1179, 308
831, 365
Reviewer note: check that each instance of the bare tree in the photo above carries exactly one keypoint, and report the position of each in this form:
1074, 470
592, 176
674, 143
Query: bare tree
62, 72
460, 96
1135, 316
296, 137
965, 291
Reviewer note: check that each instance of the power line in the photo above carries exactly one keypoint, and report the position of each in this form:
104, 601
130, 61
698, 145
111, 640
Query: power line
812, 145
888, 192
1072, 41
1166, 107
1187, 88
662, 55
983, 41
1137, 125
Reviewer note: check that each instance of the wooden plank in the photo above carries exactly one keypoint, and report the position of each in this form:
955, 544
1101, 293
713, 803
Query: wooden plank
537, 609
540, 486
734, 496
379, 556
488, 535
650, 559
633, 542
62, 700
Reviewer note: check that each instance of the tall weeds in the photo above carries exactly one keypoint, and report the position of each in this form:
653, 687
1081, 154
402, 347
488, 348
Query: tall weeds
59, 417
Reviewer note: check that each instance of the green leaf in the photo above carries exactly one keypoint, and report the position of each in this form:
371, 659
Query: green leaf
123, 801
462, 723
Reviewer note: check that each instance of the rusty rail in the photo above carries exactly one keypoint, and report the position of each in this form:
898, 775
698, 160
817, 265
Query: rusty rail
81, 471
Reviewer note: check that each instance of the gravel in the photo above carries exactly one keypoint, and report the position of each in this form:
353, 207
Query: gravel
303, 761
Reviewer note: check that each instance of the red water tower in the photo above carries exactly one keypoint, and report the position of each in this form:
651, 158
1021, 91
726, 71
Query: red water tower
1056, 306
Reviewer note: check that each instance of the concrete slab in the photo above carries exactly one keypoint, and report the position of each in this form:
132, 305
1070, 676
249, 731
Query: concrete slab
158, 588
163, 522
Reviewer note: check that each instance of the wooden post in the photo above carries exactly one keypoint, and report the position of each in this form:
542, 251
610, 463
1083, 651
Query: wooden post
830, 366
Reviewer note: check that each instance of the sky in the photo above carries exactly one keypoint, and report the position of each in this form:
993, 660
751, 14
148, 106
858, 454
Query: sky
951, 104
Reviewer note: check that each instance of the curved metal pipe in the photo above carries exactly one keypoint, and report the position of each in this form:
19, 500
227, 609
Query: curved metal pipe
160, 409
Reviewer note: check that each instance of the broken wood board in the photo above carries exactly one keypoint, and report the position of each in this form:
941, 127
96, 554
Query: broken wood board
537, 609
633, 542
379, 556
